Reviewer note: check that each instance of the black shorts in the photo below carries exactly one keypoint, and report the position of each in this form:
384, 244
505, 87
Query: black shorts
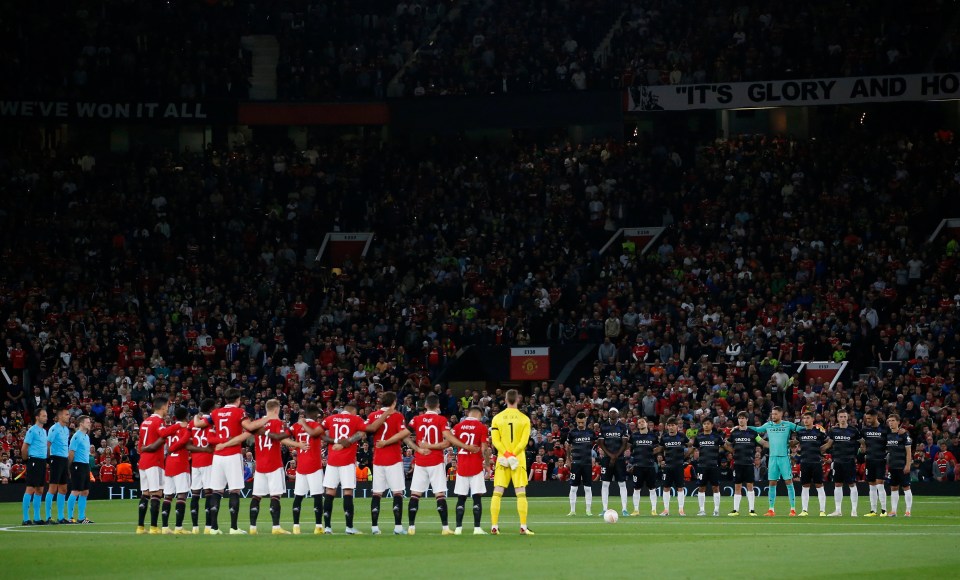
898, 478
743, 474
708, 476
36, 472
845, 473
673, 477
581, 475
58, 470
644, 477
811, 473
617, 471
79, 477
876, 470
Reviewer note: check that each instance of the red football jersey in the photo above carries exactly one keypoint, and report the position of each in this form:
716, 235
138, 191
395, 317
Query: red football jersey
539, 471
201, 438
268, 454
228, 423
392, 454
472, 432
150, 432
178, 458
308, 461
429, 428
342, 426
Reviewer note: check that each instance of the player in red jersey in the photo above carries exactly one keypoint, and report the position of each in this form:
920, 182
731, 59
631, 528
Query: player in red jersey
343, 431
151, 465
268, 477
388, 462
428, 471
200, 465
472, 438
231, 426
309, 474
176, 480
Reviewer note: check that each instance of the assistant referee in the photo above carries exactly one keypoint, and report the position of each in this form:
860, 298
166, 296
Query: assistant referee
80, 471
59, 438
34, 450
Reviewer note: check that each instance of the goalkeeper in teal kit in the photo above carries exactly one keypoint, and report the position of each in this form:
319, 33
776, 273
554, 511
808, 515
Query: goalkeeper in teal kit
778, 434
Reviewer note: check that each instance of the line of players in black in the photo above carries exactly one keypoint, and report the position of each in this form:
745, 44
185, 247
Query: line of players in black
657, 460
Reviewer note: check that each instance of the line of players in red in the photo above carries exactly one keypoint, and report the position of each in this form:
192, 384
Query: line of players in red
202, 455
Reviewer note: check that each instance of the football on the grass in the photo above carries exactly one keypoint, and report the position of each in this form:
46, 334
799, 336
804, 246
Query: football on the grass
611, 516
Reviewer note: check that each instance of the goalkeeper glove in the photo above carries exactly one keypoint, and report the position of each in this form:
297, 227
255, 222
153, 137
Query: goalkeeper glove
503, 461
512, 460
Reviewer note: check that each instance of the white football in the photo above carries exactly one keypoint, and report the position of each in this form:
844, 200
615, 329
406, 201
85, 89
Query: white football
611, 516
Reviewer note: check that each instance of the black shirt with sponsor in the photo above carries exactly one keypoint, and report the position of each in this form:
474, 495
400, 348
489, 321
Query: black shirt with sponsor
810, 442
710, 447
876, 438
744, 442
897, 450
641, 448
674, 447
846, 443
581, 447
613, 435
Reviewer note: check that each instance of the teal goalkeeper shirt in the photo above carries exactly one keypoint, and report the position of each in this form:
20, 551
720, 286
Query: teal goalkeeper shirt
778, 434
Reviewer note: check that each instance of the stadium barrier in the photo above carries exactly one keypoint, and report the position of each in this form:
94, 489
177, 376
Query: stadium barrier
110, 491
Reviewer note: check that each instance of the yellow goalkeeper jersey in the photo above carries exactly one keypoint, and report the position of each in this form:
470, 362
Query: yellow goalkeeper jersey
510, 431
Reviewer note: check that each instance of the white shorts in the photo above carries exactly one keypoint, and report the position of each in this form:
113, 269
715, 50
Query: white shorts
433, 476
226, 472
176, 484
388, 477
470, 485
200, 477
272, 483
310, 482
345, 476
151, 479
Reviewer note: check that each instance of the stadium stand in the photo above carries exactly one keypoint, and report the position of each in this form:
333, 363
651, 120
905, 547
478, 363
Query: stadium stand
184, 274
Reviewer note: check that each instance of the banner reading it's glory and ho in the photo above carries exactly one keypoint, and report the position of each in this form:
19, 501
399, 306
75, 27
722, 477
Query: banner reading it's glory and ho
806, 92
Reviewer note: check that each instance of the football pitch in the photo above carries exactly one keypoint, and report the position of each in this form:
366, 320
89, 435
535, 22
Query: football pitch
926, 545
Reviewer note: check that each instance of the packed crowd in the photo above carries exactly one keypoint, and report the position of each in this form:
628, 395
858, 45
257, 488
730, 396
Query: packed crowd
122, 278
729, 41
348, 50
372, 49
115, 49
492, 47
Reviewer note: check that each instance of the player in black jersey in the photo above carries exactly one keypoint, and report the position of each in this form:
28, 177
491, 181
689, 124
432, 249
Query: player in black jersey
813, 443
613, 442
899, 459
674, 449
875, 444
642, 467
580, 462
708, 467
843, 441
743, 443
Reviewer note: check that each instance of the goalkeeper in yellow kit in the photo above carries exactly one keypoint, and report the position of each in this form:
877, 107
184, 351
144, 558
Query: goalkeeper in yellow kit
510, 432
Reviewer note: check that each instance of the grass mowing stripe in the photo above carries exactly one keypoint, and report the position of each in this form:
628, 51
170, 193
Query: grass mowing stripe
691, 547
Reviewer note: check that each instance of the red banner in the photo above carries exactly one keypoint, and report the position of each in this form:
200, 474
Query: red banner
529, 364
828, 371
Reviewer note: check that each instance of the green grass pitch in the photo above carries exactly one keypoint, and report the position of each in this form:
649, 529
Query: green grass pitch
926, 545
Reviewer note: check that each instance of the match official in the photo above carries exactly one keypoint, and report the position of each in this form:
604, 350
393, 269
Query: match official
79, 460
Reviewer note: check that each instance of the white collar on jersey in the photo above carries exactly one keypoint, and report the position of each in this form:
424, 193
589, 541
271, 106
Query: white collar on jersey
429, 412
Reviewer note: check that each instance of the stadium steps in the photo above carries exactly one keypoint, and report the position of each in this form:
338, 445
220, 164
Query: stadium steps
603, 49
580, 366
453, 15
265, 51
